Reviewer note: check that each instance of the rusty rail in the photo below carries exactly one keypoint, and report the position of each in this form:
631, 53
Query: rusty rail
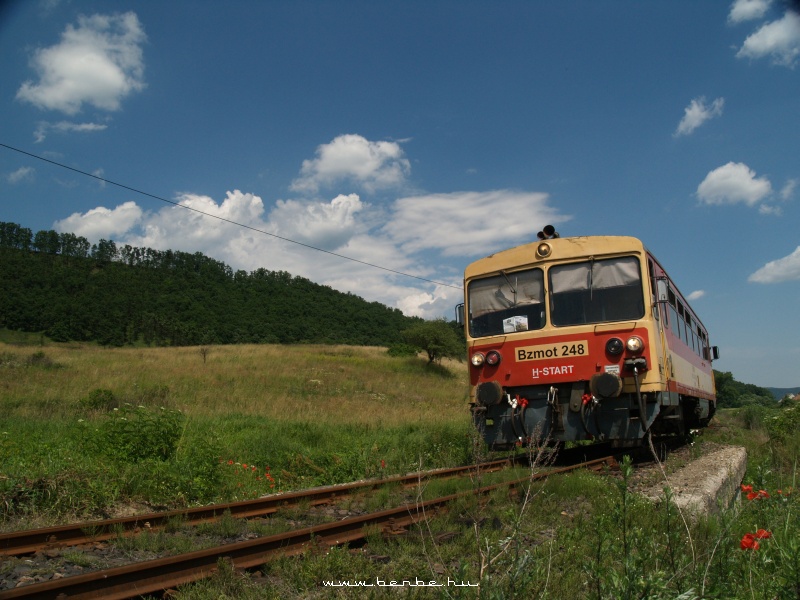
156, 575
28, 541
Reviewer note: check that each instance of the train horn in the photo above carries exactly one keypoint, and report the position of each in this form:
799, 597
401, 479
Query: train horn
548, 233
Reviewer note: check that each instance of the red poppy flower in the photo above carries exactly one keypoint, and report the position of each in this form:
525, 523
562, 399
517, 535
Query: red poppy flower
752, 496
763, 494
747, 488
748, 542
383, 464
763, 534
244, 465
230, 462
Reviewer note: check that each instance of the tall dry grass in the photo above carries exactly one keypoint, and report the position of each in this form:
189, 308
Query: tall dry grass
354, 385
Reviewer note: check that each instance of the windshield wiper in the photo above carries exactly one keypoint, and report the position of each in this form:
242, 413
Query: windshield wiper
513, 289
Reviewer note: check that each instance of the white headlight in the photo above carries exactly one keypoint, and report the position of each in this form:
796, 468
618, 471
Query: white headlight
477, 359
635, 344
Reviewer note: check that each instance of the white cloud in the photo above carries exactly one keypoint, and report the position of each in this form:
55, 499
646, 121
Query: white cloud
733, 183
785, 194
354, 159
428, 305
43, 128
778, 39
747, 10
696, 295
188, 228
99, 62
249, 248
21, 174
788, 189
101, 223
323, 225
469, 223
100, 173
776, 271
698, 113
766, 209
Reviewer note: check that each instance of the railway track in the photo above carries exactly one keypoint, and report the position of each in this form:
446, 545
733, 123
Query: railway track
27, 542
157, 575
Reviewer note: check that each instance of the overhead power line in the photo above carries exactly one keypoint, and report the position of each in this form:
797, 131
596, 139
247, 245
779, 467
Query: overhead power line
257, 230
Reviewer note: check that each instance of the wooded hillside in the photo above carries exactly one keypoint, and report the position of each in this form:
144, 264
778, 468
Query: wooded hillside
733, 394
60, 284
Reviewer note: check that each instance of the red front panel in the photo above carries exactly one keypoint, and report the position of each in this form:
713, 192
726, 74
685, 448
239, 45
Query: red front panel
551, 359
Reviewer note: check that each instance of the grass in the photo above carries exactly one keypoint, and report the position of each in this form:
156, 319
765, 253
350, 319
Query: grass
84, 429
240, 421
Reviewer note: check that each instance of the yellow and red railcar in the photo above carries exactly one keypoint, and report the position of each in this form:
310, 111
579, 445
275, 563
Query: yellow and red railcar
583, 338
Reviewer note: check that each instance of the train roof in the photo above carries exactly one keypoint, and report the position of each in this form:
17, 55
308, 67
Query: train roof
562, 248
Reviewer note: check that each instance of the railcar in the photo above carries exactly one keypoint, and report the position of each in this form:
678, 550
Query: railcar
583, 338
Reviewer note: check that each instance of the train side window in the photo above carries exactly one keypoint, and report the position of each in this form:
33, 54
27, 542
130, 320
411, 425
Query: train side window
682, 324
674, 320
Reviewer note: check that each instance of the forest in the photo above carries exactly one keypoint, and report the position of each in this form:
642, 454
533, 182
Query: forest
735, 394
70, 290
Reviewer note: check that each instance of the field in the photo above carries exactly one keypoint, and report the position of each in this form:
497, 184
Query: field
89, 432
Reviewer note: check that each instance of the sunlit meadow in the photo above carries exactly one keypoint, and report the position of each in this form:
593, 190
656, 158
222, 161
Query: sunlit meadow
84, 428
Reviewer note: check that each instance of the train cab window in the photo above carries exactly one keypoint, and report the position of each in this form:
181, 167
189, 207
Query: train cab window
506, 303
596, 291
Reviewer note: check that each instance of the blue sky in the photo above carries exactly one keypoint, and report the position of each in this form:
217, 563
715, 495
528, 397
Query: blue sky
419, 136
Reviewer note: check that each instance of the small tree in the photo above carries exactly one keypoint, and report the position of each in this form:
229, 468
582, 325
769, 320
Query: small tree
436, 338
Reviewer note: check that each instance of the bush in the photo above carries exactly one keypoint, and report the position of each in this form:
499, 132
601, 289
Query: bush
99, 399
131, 434
783, 426
436, 338
752, 416
40, 359
401, 350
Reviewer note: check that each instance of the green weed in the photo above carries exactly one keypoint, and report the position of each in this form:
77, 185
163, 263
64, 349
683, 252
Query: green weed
132, 434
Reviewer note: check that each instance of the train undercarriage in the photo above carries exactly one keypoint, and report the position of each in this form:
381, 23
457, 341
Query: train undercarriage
533, 414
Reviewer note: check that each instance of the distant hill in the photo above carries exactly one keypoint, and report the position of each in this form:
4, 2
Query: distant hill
733, 394
781, 392
61, 285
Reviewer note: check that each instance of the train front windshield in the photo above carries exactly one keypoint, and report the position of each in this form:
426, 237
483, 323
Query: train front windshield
596, 291
592, 291
506, 303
